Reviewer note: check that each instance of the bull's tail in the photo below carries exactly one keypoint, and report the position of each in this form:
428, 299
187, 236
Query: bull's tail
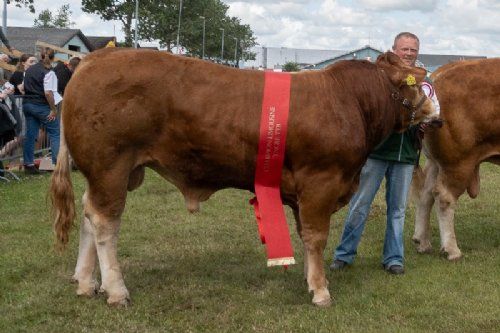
417, 183
62, 196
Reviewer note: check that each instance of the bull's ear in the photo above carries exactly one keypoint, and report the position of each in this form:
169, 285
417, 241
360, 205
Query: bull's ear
392, 65
399, 73
419, 73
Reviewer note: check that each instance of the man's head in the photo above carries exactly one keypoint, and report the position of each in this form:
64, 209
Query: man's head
73, 63
406, 46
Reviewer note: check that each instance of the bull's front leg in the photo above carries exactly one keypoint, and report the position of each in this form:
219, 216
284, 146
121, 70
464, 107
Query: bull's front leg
299, 232
425, 201
314, 234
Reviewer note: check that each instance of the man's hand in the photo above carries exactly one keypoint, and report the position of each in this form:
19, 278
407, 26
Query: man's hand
52, 115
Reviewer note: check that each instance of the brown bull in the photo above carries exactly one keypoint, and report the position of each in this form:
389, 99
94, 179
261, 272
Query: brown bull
197, 124
469, 96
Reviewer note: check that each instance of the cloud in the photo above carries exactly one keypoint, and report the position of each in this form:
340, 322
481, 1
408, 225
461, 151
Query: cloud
444, 26
404, 5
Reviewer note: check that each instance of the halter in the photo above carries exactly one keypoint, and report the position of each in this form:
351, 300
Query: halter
407, 104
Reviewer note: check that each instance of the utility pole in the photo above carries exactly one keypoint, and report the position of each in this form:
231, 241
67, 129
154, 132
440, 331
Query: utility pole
222, 48
4, 18
203, 43
179, 27
136, 22
235, 52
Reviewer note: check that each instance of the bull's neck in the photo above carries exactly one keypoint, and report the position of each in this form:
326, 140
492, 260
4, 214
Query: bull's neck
372, 90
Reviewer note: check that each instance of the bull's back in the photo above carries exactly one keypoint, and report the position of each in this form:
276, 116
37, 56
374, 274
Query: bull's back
469, 96
162, 109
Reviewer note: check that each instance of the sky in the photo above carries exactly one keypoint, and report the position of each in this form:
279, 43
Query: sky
460, 27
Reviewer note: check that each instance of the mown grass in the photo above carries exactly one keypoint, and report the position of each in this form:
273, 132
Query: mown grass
206, 272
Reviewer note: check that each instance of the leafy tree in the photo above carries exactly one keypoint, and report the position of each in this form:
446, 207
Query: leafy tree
158, 20
108, 10
44, 19
63, 17
291, 67
61, 20
23, 3
161, 23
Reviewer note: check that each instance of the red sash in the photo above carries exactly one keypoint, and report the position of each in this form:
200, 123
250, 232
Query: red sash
271, 220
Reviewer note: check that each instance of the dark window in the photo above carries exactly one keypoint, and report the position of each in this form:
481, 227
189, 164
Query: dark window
74, 48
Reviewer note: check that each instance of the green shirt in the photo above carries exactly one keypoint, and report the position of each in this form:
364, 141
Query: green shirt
398, 147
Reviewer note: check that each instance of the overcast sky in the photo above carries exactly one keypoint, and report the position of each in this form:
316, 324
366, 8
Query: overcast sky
467, 27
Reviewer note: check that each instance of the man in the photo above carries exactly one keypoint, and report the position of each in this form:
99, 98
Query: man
393, 159
39, 107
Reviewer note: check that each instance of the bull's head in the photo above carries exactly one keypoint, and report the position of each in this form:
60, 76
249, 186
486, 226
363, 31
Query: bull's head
406, 90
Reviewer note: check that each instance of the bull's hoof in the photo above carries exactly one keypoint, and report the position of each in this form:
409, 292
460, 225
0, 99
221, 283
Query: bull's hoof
119, 301
322, 298
87, 289
452, 254
424, 248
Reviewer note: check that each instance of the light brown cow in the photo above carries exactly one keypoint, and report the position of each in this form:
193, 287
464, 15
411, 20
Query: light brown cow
469, 96
197, 124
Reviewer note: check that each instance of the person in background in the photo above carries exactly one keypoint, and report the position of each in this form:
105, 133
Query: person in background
39, 107
64, 73
4, 74
17, 78
394, 160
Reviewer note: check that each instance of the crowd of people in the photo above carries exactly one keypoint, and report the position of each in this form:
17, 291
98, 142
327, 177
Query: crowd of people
32, 92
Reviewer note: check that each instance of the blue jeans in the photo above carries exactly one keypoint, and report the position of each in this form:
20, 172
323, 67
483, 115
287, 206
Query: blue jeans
35, 116
398, 182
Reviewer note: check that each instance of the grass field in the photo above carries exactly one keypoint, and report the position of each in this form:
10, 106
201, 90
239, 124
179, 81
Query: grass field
207, 272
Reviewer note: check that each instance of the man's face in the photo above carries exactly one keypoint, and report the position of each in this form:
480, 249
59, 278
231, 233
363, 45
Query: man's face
407, 49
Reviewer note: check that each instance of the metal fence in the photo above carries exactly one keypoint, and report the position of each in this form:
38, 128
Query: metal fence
11, 152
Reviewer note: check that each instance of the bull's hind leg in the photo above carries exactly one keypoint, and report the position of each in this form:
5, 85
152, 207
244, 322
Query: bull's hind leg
422, 235
105, 204
87, 253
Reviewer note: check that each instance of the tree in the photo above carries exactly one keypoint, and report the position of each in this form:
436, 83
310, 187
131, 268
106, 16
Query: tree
161, 23
23, 3
291, 67
44, 19
108, 10
158, 20
61, 20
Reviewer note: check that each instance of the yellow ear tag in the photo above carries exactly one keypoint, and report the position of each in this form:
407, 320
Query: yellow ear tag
410, 80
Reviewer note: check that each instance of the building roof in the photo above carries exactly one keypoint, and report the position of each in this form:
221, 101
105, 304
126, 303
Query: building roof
275, 57
433, 61
345, 55
429, 61
99, 42
24, 38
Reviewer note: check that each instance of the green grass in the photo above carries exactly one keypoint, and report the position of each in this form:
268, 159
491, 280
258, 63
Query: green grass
206, 272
